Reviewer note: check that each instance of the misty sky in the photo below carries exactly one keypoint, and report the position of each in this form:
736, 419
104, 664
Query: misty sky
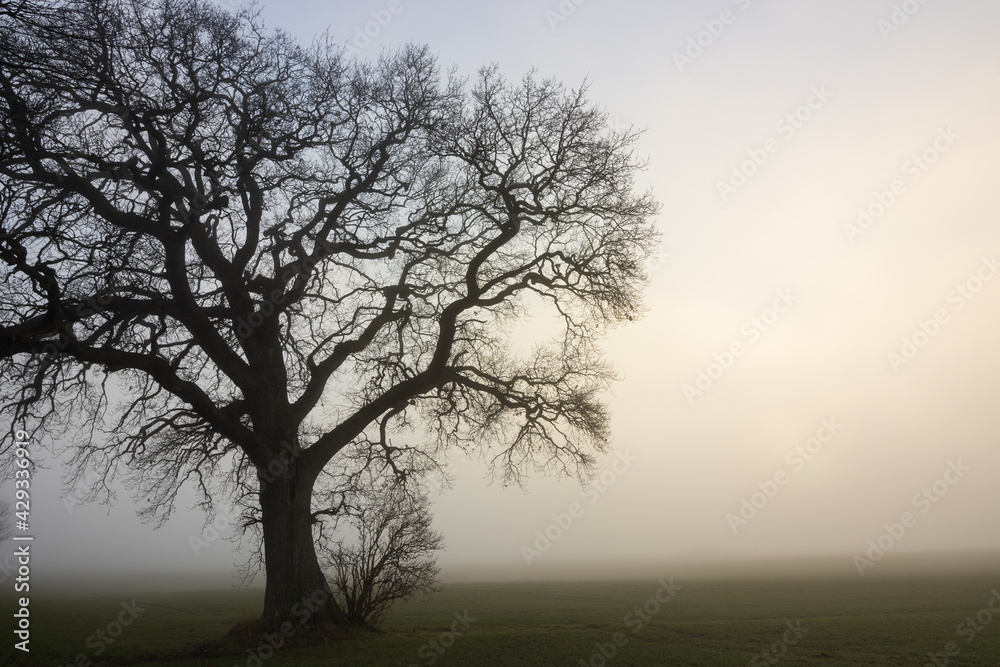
777, 312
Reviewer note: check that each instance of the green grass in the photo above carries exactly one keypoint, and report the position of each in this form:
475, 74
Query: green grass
848, 621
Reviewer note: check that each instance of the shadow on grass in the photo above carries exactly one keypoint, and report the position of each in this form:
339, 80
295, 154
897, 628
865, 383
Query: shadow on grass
252, 634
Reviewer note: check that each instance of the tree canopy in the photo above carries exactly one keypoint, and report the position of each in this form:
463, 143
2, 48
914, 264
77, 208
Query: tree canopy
240, 263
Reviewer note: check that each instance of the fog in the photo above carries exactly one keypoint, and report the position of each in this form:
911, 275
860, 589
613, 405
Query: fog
818, 367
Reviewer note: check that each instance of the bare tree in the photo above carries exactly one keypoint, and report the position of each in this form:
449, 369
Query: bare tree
387, 556
6, 520
249, 265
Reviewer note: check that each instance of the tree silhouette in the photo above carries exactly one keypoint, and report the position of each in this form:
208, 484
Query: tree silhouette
388, 555
246, 265
6, 520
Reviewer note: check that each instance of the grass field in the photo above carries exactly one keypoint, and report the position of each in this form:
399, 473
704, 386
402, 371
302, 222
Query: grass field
796, 620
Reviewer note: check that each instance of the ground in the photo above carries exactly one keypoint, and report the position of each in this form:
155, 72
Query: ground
832, 621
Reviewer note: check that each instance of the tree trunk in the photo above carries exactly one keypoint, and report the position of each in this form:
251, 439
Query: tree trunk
296, 589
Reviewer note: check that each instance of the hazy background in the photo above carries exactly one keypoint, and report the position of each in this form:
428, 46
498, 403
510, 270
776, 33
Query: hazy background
723, 263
